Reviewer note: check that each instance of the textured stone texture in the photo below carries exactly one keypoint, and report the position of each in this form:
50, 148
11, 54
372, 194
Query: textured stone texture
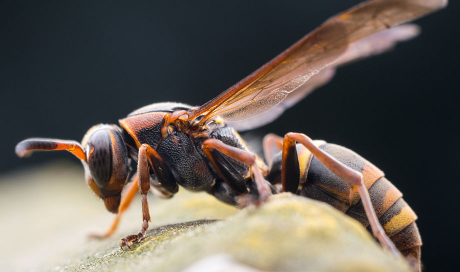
289, 233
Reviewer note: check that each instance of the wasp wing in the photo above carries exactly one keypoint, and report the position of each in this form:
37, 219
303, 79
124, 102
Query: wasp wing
272, 83
369, 46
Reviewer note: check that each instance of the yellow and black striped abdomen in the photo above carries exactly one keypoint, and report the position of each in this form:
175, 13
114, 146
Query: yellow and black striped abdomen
396, 217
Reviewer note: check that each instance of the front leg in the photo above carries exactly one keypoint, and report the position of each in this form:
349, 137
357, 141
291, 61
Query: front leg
126, 200
148, 155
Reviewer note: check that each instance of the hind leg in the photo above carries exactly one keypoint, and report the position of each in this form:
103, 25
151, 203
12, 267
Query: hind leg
272, 145
290, 179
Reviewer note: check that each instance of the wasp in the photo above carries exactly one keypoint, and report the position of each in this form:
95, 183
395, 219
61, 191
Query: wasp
200, 149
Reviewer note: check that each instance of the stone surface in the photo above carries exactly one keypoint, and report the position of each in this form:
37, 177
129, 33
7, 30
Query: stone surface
289, 233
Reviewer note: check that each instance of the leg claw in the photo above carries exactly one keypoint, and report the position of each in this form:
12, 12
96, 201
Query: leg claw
128, 241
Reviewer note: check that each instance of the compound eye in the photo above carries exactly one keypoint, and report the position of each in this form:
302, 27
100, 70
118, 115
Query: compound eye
100, 157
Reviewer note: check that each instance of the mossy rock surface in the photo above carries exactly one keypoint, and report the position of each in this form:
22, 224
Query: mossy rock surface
193, 232
289, 233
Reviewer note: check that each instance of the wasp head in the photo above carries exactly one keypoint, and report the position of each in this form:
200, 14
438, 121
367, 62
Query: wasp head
104, 156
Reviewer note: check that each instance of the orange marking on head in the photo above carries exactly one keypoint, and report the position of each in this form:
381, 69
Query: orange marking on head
94, 187
115, 182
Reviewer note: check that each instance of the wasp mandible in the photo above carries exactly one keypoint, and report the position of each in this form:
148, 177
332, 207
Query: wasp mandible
199, 148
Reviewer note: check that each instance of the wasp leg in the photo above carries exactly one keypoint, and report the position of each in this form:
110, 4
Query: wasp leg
227, 171
125, 202
245, 157
148, 155
222, 191
272, 144
290, 170
350, 176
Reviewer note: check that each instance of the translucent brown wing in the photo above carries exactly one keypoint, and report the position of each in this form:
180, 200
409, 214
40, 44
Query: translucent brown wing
366, 47
272, 83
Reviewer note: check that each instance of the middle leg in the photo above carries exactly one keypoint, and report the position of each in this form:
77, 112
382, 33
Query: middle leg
245, 157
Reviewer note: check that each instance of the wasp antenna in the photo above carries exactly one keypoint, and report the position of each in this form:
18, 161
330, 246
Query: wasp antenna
26, 147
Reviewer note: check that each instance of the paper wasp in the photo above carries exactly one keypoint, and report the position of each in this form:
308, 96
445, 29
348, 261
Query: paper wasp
199, 149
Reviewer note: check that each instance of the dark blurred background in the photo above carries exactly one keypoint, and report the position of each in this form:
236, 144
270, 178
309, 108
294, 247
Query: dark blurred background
66, 66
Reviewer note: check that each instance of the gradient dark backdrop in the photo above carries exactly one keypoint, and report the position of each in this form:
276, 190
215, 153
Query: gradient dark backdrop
67, 66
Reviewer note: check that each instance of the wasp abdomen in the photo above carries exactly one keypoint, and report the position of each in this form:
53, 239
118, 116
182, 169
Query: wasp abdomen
395, 215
